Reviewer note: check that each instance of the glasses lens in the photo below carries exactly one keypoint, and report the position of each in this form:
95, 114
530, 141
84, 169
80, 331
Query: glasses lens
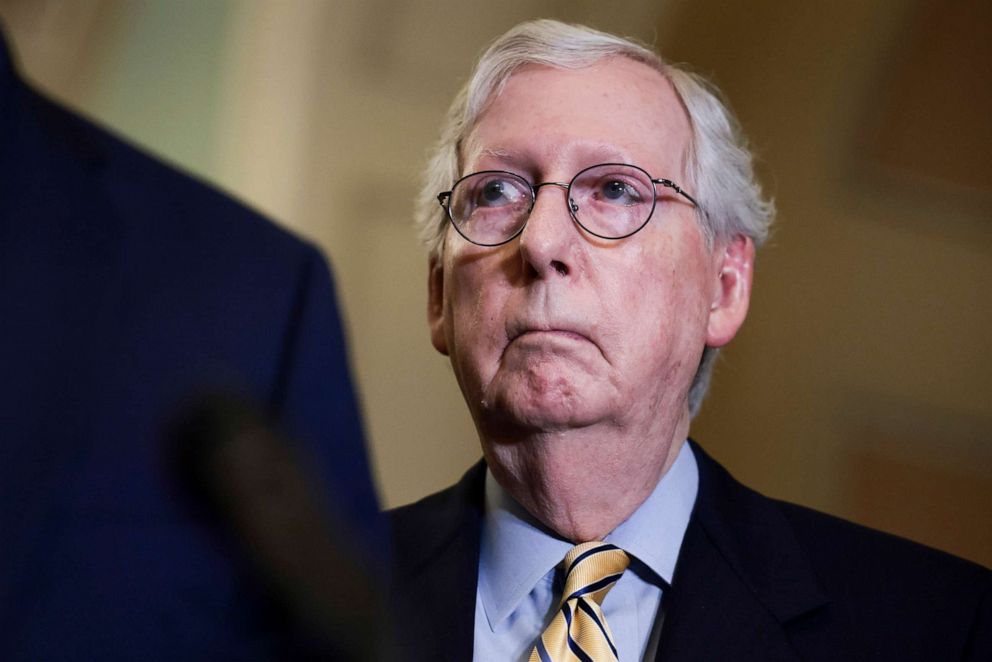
490, 207
612, 200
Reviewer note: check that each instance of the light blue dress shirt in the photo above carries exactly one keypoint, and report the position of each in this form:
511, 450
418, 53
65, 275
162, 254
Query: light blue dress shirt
517, 591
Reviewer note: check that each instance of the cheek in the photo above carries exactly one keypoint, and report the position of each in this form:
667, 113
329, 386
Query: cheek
667, 298
474, 304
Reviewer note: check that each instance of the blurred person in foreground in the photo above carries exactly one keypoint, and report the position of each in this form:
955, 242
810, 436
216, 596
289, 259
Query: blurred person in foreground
592, 251
127, 288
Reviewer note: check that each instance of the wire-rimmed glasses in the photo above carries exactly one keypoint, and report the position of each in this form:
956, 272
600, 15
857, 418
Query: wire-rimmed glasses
608, 200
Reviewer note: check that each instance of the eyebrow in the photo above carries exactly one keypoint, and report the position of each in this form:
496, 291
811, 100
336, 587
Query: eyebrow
504, 155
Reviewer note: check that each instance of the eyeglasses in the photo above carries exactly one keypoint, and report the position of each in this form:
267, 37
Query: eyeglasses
609, 200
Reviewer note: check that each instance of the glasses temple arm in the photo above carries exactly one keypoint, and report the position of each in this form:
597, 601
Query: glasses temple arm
667, 183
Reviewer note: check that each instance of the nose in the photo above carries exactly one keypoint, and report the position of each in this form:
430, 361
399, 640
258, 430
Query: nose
547, 243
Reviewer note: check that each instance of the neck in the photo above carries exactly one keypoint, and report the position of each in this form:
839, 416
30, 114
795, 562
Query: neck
583, 483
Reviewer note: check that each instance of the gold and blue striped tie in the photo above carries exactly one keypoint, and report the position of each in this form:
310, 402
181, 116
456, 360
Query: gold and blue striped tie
579, 630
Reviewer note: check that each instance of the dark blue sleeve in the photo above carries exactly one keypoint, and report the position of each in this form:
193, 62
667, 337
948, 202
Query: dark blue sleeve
315, 400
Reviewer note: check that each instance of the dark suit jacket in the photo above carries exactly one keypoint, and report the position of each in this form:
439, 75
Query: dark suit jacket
124, 287
756, 579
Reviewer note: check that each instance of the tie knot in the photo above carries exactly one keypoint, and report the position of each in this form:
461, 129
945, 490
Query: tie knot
591, 570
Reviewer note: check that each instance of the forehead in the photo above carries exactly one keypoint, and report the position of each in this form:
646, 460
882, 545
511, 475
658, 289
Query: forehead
614, 110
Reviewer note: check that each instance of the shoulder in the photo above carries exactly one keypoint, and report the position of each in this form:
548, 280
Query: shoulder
881, 586
876, 592
881, 568
836, 546
156, 202
833, 545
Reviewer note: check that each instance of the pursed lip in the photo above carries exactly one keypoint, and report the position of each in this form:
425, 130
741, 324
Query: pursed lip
562, 333
562, 330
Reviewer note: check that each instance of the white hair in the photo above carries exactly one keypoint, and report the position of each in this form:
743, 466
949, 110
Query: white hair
717, 166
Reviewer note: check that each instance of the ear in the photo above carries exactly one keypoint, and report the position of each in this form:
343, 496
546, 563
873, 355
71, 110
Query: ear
435, 305
731, 292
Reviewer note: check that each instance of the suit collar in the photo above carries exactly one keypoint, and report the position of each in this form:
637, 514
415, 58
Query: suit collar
741, 577
757, 541
455, 514
436, 570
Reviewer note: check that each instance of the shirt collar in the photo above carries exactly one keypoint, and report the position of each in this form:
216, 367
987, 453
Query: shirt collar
517, 551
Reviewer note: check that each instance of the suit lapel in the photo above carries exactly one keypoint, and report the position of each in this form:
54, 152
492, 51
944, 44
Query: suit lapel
740, 579
437, 566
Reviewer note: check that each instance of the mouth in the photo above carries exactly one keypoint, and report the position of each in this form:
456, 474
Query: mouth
553, 332
550, 334
555, 337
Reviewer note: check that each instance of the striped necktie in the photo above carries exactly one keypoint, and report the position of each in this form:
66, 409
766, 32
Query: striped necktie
579, 630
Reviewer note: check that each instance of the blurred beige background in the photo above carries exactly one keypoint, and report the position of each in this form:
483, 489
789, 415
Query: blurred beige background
861, 383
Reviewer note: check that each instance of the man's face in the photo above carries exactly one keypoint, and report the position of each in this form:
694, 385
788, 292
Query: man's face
558, 329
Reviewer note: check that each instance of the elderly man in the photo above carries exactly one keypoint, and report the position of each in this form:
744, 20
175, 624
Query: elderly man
594, 250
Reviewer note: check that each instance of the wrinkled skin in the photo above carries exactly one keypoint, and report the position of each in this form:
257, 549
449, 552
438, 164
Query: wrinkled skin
575, 354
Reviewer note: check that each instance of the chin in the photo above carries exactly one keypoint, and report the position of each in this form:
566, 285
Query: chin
545, 398
545, 412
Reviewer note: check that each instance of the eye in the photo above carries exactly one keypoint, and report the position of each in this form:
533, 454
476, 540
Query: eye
491, 190
617, 190
493, 193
